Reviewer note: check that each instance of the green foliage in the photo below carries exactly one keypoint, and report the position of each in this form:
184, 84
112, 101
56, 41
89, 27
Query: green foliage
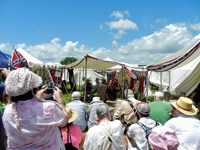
150, 99
68, 60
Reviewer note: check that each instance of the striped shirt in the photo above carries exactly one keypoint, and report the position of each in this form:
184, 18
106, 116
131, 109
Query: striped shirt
137, 132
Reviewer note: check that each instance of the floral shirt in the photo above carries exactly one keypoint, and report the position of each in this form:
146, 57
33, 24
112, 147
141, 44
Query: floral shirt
39, 123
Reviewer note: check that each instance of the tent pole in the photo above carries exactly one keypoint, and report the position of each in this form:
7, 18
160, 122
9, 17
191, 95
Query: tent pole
85, 77
123, 81
169, 82
43, 75
160, 81
147, 86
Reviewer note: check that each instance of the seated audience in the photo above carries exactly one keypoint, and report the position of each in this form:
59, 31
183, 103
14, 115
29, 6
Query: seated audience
116, 89
89, 90
103, 82
92, 111
136, 130
125, 112
71, 133
80, 108
29, 122
98, 136
160, 110
96, 85
163, 138
186, 126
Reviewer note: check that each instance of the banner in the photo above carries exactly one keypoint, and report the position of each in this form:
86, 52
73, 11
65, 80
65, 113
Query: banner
18, 60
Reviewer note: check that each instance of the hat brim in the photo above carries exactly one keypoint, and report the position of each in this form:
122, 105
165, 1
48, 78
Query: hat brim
74, 116
95, 101
192, 112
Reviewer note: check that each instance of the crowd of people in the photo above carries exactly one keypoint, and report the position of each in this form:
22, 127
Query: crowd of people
29, 120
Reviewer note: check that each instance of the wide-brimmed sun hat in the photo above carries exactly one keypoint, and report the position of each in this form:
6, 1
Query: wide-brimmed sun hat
72, 114
115, 78
95, 99
163, 138
185, 106
20, 81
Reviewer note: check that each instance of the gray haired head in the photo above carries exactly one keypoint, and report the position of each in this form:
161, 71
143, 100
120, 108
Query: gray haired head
101, 111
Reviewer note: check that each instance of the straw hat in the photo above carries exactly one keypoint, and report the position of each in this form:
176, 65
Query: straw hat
185, 106
115, 78
103, 78
72, 114
88, 79
95, 99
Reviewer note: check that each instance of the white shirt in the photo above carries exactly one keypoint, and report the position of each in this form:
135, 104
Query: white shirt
96, 136
187, 129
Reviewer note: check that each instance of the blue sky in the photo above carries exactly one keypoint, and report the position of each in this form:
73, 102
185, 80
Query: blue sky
135, 32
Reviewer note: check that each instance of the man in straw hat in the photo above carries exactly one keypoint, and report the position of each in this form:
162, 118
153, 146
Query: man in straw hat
186, 126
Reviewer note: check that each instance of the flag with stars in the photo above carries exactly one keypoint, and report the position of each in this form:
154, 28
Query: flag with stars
18, 60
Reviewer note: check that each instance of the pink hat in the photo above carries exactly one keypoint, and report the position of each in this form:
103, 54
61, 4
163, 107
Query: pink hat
163, 138
20, 81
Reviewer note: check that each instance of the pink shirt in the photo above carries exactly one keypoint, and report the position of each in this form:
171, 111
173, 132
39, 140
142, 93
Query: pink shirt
76, 135
38, 122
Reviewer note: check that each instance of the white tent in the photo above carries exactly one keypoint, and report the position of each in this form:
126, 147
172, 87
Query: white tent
32, 61
184, 79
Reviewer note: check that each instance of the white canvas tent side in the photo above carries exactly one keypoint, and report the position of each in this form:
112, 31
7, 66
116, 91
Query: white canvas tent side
184, 70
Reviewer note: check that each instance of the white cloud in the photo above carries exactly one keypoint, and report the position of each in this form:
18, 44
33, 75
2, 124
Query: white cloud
117, 14
55, 40
101, 27
122, 25
195, 27
167, 40
101, 53
127, 13
114, 43
119, 34
181, 24
160, 20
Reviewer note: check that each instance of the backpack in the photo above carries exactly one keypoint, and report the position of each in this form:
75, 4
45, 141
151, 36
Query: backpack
147, 130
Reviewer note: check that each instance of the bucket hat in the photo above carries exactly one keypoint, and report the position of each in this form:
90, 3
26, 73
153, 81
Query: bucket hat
163, 138
95, 99
20, 81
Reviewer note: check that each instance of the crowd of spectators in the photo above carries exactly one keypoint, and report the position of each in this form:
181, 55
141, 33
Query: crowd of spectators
29, 120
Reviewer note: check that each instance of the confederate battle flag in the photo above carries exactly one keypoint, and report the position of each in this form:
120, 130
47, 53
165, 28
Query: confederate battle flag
18, 60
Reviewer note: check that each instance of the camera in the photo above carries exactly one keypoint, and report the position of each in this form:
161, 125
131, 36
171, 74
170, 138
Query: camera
50, 90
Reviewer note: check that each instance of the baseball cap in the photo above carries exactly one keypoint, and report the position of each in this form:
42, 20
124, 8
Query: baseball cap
143, 108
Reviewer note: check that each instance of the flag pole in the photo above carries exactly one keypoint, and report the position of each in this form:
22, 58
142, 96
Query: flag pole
50, 76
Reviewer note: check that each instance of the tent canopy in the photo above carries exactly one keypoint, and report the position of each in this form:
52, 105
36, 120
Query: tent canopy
177, 59
92, 63
32, 61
